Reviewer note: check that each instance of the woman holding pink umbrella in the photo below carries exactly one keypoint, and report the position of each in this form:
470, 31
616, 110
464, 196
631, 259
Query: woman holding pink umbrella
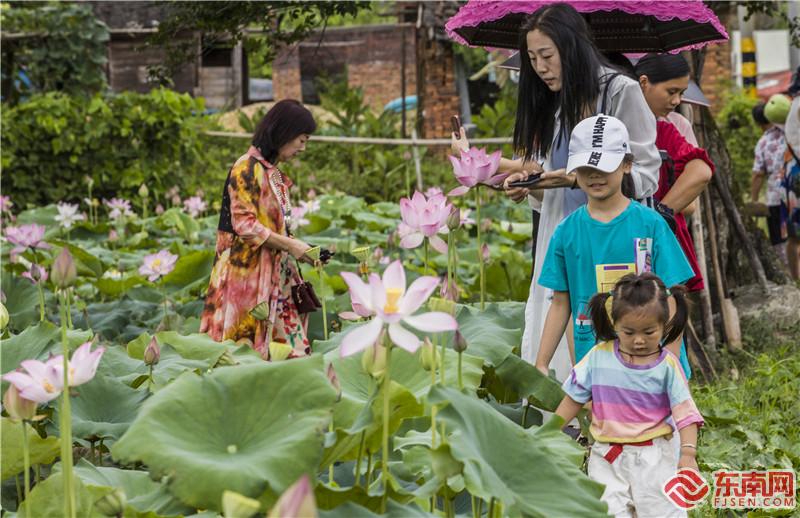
565, 79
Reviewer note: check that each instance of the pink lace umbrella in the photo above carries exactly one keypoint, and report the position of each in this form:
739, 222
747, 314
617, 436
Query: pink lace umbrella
617, 26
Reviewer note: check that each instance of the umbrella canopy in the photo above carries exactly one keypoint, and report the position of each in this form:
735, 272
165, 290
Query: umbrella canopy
617, 26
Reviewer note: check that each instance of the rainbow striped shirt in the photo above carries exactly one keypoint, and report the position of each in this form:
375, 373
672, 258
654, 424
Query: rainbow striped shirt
632, 403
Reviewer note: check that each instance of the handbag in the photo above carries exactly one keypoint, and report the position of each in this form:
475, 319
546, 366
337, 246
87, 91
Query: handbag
303, 296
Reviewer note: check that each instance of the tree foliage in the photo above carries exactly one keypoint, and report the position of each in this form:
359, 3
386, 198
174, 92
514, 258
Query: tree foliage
59, 47
281, 23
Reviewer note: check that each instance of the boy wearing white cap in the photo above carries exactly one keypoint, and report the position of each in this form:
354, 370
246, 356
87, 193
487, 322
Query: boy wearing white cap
602, 241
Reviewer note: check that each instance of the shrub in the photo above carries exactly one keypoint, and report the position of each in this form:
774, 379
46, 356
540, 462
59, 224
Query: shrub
741, 135
53, 141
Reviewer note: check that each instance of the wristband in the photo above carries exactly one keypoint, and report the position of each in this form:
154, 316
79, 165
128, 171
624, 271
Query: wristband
687, 445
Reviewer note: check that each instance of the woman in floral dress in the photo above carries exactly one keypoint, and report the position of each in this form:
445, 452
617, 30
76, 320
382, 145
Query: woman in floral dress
249, 296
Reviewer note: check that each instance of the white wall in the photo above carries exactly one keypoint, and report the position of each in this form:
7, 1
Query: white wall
772, 52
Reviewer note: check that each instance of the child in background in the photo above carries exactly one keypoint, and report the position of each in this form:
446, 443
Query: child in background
639, 394
603, 240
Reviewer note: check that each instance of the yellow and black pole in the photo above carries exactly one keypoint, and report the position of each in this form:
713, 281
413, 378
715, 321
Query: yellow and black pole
748, 53
749, 69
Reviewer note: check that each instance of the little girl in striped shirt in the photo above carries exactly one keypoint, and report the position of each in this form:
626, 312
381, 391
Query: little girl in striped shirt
639, 396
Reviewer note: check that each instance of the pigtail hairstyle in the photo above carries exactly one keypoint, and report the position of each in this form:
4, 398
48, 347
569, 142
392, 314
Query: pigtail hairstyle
677, 324
634, 292
601, 320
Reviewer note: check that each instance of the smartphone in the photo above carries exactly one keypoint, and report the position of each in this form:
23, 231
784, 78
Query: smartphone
528, 182
456, 123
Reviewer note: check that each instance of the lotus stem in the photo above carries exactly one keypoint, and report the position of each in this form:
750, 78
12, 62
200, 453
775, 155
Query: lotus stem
441, 367
69, 312
26, 462
525, 414
66, 417
330, 466
385, 454
358, 457
477, 506
425, 247
433, 411
480, 254
19, 488
460, 379
318, 265
368, 474
491, 508
41, 301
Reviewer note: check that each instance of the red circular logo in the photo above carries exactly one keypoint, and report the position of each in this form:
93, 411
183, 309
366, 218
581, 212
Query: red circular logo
686, 489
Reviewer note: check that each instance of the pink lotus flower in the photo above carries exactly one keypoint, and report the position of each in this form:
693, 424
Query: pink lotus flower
82, 365
36, 274
18, 408
391, 304
157, 265
424, 217
41, 383
297, 500
298, 218
119, 208
68, 214
194, 206
5, 204
310, 206
26, 236
475, 168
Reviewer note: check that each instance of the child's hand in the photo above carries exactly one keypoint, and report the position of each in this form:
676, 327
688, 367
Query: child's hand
688, 461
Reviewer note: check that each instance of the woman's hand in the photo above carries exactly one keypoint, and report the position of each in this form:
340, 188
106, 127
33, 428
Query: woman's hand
687, 461
555, 179
517, 194
459, 143
298, 250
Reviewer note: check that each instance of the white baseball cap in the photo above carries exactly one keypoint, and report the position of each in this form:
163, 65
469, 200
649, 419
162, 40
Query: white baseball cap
600, 142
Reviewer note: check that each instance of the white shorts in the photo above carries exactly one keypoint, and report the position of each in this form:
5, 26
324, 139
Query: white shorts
634, 481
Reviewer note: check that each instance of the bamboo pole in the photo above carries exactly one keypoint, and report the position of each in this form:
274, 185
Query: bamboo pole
371, 140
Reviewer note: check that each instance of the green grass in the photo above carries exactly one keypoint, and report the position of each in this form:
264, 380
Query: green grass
753, 413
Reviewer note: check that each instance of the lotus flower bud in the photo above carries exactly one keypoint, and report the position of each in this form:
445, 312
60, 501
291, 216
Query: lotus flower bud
152, 353
64, 271
486, 225
89, 180
3, 316
449, 291
235, 505
373, 361
459, 342
279, 351
18, 408
485, 253
334, 379
144, 192
159, 209
113, 504
430, 356
113, 235
454, 219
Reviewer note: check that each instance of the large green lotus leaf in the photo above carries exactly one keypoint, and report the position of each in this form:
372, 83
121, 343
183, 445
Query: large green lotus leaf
372, 221
142, 493
491, 334
104, 408
117, 287
526, 380
248, 429
393, 510
523, 470
117, 364
361, 405
190, 271
22, 301
42, 451
178, 354
36, 342
333, 498
47, 499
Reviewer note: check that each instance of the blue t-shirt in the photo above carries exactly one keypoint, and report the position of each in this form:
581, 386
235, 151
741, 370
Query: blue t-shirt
586, 256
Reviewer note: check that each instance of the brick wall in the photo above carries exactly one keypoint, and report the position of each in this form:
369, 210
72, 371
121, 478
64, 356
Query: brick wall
286, 74
717, 72
440, 97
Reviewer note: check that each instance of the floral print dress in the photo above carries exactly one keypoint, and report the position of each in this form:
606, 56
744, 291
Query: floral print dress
249, 296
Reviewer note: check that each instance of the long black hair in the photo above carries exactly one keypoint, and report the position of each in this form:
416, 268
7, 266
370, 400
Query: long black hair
581, 63
284, 122
634, 292
661, 67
